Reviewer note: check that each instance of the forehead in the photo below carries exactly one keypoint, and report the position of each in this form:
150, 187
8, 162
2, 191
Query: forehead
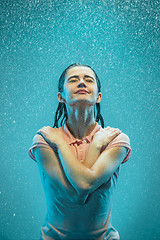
80, 71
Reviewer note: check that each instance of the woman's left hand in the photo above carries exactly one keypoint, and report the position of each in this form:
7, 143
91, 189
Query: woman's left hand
51, 135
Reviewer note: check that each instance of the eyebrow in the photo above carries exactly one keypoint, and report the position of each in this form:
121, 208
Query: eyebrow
76, 76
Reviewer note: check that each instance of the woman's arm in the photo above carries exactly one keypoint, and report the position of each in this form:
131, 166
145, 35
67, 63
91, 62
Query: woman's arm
50, 166
101, 139
92, 155
86, 179
78, 174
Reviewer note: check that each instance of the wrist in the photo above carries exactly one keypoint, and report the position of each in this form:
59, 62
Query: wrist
60, 142
96, 145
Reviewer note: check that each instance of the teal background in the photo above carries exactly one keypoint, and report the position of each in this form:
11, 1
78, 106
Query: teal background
119, 39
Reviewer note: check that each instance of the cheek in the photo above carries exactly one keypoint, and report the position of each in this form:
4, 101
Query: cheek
69, 94
67, 90
95, 90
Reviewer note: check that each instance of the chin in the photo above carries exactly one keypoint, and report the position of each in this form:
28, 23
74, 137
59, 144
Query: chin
83, 103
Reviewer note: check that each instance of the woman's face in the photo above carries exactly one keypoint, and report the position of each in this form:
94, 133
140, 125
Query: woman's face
80, 87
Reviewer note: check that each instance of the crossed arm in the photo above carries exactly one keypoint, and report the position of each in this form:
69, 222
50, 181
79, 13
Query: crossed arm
94, 171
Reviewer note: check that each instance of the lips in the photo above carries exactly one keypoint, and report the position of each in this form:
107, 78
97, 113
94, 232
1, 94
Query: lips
81, 91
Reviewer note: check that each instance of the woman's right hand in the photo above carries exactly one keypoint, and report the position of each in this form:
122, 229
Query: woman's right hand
105, 136
51, 135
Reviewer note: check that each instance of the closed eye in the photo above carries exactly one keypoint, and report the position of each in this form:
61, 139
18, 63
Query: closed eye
89, 80
73, 80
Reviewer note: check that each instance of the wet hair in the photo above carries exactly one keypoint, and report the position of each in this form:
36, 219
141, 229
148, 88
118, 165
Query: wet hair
61, 109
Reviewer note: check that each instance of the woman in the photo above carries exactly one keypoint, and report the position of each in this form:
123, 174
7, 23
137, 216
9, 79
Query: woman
79, 161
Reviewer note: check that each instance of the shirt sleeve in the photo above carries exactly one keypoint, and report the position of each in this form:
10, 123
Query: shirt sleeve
122, 140
38, 141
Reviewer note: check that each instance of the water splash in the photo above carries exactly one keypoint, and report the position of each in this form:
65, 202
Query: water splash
80, 1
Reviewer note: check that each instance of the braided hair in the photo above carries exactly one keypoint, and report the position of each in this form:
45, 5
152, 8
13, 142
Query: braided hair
61, 109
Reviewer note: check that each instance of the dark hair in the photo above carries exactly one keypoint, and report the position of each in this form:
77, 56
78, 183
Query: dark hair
61, 109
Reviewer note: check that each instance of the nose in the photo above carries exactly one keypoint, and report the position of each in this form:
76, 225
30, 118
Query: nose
81, 83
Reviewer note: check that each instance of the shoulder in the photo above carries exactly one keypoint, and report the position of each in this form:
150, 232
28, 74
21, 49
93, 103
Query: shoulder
38, 139
123, 137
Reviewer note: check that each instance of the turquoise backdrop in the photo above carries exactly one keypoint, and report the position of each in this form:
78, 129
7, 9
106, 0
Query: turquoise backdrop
119, 39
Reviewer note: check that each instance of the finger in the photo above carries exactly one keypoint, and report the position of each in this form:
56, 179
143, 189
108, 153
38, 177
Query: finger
40, 131
115, 129
44, 127
110, 129
116, 133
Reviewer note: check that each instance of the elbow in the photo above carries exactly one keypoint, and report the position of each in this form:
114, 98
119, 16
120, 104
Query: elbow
83, 189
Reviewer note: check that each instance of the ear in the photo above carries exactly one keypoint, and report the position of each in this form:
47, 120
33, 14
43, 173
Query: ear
60, 98
99, 97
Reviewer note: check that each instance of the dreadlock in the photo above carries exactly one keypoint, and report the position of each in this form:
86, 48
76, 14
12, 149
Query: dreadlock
61, 109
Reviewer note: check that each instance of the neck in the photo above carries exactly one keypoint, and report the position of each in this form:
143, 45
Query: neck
80, 121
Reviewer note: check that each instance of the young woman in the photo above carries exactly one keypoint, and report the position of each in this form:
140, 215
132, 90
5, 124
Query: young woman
79, 161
